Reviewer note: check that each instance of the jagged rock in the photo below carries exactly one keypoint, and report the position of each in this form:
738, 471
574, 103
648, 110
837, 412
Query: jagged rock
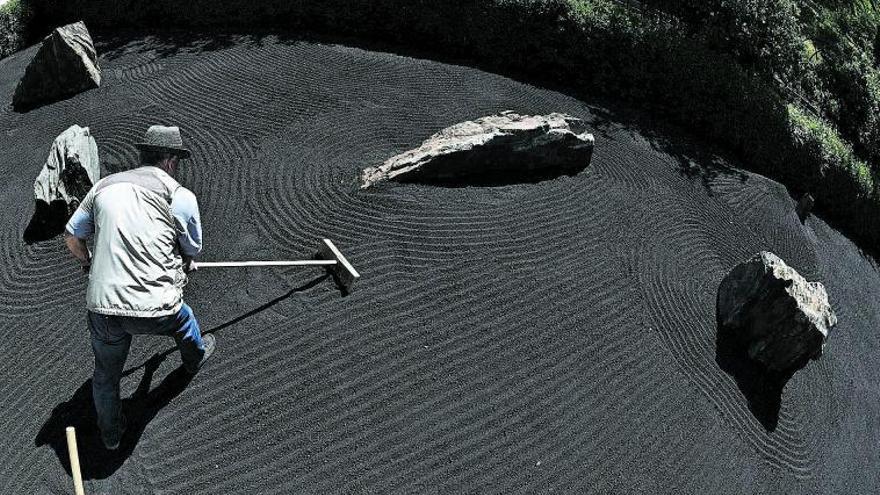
65, 64
783, 318
70, 171
498, 149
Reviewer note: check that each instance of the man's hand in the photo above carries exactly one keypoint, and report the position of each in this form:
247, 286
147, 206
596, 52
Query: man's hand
79, 250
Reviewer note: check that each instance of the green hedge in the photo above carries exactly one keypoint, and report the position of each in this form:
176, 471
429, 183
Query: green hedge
855, 82
652, 59
762, 35
849, 188
13, 20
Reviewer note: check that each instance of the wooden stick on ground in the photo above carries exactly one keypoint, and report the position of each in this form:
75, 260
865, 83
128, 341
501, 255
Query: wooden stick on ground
74, 461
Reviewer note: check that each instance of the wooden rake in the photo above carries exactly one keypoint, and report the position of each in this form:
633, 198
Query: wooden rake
327, 256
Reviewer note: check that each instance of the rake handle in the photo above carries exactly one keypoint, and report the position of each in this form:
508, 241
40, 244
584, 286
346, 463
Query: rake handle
74, 461
225, 264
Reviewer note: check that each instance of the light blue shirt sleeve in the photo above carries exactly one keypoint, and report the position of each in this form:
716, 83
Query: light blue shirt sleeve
185, 209
81, 223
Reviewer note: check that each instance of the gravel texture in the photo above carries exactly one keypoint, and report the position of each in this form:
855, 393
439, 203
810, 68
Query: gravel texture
557, 336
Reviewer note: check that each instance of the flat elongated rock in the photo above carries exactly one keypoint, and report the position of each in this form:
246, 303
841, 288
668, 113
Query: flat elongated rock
70, 171
784, 319
498, 149
65, 64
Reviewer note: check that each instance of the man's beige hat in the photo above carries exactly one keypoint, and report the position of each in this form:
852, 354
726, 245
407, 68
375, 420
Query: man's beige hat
162, 138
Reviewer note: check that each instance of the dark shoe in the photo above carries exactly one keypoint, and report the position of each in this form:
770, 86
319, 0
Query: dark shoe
210, 343
111, 444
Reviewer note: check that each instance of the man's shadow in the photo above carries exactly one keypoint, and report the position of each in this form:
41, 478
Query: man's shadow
761, 386
96, 462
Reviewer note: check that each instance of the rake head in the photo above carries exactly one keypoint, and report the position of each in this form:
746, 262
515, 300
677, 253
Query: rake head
343, 273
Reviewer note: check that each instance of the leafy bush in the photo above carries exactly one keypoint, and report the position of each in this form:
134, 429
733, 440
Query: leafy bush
762, 35
823, 53
846, 185
12, 26
854, 83
854, 22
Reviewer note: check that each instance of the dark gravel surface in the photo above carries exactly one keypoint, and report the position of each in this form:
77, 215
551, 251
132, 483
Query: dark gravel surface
557, 336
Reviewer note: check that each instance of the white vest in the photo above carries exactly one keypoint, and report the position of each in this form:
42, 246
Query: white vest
136, 267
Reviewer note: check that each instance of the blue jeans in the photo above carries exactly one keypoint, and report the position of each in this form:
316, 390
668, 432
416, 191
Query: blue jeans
111, 339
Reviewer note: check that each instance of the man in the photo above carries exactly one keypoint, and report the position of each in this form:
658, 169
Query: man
147, 230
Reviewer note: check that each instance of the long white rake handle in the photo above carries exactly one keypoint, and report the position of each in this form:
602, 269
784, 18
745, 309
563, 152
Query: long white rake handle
74, 461
328, 255
209, 264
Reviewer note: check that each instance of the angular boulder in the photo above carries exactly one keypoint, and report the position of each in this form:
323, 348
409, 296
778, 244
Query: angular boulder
782, 319
65, 64
497, 149
70, 171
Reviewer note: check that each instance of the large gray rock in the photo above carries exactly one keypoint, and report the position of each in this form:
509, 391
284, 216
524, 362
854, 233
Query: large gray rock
783, 318
70, 171
497, 149
65, 64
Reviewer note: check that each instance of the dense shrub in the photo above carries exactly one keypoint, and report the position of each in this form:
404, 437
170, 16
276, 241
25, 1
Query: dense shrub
854, 85
821, 53
846, 185
762, 35
855, 22
13, 19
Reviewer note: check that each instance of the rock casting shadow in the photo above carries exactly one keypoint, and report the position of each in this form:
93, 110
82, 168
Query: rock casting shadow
453, 172
485, 180
96, 462
761, 386
47, 222
29, 107
23, 108
49, 219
